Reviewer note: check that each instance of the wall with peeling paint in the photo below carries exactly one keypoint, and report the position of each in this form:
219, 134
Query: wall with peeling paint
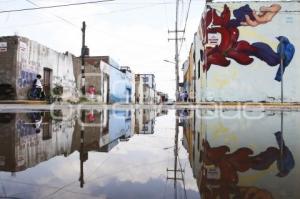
25, 59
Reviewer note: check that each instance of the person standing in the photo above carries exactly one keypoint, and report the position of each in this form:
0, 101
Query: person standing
37, 85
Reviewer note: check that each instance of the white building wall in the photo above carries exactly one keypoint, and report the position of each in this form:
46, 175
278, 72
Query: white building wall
33, 57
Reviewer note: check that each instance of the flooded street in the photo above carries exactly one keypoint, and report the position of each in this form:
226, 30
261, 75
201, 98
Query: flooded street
149, 154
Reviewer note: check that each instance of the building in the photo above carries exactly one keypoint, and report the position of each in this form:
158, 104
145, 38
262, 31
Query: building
161, 97
112, 83
189, 75
22, 59
145, 89
247, 68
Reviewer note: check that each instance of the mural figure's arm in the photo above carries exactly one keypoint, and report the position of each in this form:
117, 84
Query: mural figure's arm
265, 15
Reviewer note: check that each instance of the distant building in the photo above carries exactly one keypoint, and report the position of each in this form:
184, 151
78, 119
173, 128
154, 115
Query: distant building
145, 89
189, 75
161, 97
22, 59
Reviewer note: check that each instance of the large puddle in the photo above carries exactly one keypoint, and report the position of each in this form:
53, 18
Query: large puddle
150, 153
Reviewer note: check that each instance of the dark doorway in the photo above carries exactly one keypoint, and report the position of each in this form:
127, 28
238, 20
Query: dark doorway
47, 81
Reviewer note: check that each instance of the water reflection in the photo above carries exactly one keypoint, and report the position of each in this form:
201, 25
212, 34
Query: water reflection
149, 154
28, 138
243, 158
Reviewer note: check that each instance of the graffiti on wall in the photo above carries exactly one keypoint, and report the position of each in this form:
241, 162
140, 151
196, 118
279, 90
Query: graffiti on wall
221, 33
26, 79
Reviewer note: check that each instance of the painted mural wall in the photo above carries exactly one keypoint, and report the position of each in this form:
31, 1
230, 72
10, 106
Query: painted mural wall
245, 43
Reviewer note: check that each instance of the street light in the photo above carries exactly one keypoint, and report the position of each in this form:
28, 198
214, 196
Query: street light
165, 60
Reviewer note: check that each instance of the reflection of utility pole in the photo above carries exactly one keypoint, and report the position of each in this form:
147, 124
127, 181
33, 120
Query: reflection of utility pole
281, 140
176, 169
176, 31
83, 155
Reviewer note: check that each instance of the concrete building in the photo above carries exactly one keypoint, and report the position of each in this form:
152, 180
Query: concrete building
225, 72
22, 59
112, 83
145, 89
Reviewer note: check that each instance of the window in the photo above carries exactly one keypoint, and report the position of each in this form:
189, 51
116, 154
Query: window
198, 69
146, 79
201, 55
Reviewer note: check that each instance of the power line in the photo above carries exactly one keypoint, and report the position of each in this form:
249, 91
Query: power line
61, 18
54, 6
186, 20
79, 17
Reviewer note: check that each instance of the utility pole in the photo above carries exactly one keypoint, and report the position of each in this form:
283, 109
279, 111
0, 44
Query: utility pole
176, 31
82, 130
83, 53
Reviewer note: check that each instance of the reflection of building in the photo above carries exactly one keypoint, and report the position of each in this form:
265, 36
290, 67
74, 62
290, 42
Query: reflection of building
30, 138
22, 59
105, 130
231, 157
145, 120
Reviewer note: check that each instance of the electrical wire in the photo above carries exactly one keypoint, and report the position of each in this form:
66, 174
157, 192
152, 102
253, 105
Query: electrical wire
185, 25
54, 6
61, 18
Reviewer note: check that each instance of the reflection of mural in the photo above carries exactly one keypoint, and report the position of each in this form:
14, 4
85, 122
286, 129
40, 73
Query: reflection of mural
221, 168
252, 162
240, 50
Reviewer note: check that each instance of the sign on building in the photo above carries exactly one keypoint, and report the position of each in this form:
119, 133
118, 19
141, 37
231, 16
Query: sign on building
3, 47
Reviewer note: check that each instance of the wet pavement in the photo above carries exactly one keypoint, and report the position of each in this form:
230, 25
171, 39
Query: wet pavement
149, 153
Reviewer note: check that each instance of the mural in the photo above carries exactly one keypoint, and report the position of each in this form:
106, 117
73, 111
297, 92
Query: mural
221, 36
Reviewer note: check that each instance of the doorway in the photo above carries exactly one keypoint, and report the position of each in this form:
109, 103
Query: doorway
47, 82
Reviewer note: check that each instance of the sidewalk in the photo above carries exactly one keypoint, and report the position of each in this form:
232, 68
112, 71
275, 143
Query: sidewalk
23, 102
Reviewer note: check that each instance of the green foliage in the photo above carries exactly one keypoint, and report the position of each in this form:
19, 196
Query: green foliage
58, 90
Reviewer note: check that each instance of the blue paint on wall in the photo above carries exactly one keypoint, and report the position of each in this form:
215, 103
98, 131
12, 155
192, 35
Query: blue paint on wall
120, 86
119, 124
26, 79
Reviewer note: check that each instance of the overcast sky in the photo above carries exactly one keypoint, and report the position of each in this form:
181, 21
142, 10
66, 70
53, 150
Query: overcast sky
133, 32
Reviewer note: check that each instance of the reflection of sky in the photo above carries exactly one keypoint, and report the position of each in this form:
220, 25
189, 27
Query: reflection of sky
133, 169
